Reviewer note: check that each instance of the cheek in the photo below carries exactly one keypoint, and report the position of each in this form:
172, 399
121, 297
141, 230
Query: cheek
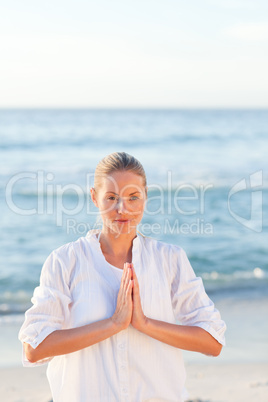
139, 209
106, 207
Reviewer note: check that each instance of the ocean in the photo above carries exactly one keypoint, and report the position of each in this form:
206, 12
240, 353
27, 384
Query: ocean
208, 185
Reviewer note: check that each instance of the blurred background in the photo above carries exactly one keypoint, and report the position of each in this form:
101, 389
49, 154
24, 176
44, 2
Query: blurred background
180, 85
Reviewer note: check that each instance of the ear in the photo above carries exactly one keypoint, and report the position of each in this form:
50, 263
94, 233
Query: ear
94, 196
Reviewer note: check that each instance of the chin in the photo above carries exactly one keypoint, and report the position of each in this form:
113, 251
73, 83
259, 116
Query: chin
124, 228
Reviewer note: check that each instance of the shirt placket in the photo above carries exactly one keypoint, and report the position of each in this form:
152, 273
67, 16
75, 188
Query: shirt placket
123, 367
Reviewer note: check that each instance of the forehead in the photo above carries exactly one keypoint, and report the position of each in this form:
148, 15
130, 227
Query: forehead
123, 181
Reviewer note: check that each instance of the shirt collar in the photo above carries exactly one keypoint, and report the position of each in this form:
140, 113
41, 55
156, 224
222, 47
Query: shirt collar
92, 235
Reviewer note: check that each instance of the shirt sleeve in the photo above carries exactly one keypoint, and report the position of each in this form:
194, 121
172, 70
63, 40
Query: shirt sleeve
191, 304
50, 307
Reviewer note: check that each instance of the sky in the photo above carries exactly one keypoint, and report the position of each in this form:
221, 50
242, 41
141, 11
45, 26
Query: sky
139, 53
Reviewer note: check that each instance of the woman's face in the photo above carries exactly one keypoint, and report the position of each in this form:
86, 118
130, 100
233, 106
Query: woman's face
121, 201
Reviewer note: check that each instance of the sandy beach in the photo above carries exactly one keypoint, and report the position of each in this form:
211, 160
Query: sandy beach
205, 383
228, 382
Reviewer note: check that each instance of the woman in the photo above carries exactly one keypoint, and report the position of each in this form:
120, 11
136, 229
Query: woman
106, 313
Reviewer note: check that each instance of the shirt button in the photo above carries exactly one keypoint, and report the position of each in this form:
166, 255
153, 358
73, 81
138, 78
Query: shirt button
121, 346
123, 367
125, 390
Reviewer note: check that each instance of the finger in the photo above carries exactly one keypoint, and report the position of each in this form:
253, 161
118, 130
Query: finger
124, 275
126, 280
127, 292
127, 264
131, 267
135, 277
126, 267
129, 287
136, 292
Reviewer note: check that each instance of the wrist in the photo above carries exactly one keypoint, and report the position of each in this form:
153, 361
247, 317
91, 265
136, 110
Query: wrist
142, 325
116, 325
146, 323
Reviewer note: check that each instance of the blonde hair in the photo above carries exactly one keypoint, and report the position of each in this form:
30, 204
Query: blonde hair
118, 161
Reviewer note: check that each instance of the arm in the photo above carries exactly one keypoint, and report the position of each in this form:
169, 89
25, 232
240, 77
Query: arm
185, 337
65, 341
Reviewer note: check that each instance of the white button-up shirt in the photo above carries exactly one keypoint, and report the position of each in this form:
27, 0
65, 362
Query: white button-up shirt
78, 287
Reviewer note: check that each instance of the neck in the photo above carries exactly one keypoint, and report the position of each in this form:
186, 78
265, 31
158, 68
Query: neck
116, 244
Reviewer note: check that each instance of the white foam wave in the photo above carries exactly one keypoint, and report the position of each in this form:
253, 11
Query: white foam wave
256, 273
11, 319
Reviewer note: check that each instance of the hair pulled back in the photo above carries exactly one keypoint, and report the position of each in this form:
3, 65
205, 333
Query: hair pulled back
116, 162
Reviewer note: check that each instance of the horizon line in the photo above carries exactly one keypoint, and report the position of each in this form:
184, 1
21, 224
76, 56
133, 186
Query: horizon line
134, 107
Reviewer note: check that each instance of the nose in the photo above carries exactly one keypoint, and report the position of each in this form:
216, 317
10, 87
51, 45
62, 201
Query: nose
121, 206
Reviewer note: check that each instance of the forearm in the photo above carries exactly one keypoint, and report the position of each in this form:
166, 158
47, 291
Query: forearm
183, 337
66, 341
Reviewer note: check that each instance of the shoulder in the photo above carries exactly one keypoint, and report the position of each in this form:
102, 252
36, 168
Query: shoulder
67, 250
65, 260
68, 254
168, 258
161, 247
75, 248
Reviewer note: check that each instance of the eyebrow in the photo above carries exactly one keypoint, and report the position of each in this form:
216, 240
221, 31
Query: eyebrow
117, 194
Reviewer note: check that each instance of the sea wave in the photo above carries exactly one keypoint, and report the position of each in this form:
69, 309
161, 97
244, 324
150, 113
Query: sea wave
256, 273
76, 187
13, 304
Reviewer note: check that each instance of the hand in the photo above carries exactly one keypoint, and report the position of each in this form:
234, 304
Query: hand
138, 319
123, 311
